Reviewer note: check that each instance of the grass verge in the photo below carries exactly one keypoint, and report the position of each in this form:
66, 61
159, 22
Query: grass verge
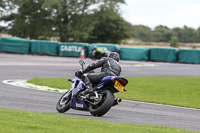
179, 91
13, 121
61, 83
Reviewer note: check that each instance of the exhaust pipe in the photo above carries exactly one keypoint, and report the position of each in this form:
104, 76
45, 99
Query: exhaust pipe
117, 101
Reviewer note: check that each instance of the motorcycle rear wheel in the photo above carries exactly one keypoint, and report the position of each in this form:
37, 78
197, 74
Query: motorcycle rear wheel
104, 105
63, 104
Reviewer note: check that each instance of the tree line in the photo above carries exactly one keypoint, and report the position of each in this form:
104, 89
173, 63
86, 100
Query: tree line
164, 34
70, 20
88, 21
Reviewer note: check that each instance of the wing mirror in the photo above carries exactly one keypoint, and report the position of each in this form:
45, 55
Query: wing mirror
82, 63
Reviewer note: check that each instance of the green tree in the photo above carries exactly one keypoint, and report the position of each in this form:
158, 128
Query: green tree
75, 20
142, 32
32, 21
189, 34
178, 33
110, 27
174, 42
6, 14
197, 35
185, 34
162, 34
72, 19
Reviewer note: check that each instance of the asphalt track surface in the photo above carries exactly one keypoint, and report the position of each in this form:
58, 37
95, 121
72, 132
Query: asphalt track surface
15, 66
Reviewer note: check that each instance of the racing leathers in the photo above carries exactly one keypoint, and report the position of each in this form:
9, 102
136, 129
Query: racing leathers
109, 67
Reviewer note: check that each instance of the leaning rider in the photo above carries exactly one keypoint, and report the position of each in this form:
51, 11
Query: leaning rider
109, 67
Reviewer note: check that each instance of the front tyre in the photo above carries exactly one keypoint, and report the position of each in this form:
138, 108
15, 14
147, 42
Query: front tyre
63, 104
104, 105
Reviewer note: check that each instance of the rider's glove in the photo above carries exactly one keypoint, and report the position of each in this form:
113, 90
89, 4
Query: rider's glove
79, 73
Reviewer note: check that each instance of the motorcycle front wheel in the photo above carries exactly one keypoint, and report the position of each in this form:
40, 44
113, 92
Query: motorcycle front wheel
104, 105
63, 104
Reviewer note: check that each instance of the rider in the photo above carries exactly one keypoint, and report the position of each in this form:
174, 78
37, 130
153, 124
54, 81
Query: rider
109, 67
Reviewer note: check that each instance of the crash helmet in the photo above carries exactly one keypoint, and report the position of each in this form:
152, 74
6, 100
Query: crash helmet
94, 48
114, 55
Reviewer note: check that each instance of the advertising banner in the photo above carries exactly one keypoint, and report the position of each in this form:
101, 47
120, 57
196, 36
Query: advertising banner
72, 49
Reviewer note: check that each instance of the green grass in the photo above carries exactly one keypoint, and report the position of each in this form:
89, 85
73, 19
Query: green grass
61, 83
13, 121
180, 91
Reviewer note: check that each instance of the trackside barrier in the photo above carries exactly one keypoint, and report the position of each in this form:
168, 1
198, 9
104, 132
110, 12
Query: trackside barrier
23, 46
15, 45
104, 46
72, 49
189, 56
44, 47
0, 46
137, 54
164, 54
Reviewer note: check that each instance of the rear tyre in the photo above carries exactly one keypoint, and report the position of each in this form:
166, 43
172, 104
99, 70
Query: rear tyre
63, 104
104, 105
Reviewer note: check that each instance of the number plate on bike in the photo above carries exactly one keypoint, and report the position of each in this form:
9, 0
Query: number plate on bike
119, 86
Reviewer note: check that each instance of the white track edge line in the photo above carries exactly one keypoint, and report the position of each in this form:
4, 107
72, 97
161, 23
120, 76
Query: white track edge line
7, 82
156, 104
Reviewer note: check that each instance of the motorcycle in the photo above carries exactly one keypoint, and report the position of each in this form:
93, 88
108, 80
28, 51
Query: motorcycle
97, 103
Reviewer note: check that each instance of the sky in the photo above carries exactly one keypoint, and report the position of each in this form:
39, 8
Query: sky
170, 13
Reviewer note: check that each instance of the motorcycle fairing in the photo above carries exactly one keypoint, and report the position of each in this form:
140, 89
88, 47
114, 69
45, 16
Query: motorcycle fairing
78, 105
77, 85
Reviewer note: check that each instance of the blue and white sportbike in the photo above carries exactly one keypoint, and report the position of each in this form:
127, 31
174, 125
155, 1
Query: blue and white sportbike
97, 103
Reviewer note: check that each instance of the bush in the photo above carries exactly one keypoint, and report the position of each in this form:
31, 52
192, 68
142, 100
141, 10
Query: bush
174, 42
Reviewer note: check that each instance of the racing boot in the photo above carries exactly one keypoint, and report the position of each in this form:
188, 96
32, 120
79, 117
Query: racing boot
88, 86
